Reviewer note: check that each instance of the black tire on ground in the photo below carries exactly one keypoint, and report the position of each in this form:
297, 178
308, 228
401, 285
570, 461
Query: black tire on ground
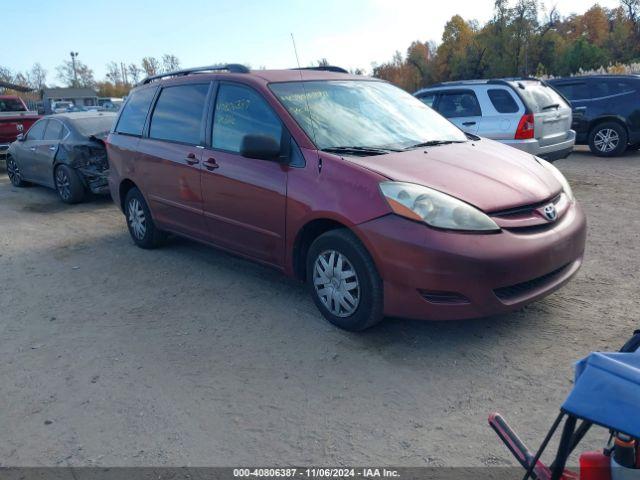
13, 172
347, 290
68, 184
608, 139
142, 229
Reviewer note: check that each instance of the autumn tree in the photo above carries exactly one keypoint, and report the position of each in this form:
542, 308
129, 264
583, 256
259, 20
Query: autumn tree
83, 73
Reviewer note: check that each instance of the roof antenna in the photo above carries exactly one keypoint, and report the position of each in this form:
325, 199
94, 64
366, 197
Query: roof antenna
306, 97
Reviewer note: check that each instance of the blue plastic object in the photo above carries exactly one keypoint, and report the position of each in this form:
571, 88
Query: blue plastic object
607, 391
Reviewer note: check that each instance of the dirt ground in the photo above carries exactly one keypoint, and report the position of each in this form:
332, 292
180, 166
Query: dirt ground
112, 355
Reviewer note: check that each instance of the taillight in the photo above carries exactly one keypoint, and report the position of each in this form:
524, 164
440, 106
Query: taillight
525, 127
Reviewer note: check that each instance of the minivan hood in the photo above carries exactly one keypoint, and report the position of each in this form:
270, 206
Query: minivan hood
484, 173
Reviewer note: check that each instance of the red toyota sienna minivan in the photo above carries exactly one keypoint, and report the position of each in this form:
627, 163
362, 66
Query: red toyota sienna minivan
380, 204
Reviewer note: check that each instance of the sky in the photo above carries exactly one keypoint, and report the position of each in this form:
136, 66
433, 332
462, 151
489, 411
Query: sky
349, 33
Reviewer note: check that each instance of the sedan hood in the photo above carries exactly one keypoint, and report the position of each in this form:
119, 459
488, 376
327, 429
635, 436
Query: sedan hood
484, 173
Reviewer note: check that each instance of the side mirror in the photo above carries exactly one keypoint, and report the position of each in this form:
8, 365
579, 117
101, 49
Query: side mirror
262, 147
21, 137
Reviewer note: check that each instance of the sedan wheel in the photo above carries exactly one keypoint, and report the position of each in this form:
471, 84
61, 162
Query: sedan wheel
63, 184
13, 172
137, 220
336, 283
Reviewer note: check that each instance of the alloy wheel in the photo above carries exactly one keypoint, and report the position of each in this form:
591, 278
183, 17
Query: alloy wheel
606, 140
336, 283
13, 172
63, 184
137, 220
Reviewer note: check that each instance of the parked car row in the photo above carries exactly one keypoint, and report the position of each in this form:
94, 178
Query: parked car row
546, 118
381, 205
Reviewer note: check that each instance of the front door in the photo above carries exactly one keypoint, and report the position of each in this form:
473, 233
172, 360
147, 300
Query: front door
27, 152
462, 108
169, 159
243, 198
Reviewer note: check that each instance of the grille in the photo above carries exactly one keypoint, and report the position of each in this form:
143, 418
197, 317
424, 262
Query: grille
521, 289
444, 298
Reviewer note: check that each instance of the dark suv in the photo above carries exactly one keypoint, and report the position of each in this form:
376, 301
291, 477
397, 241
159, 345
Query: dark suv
606, 111
381, 204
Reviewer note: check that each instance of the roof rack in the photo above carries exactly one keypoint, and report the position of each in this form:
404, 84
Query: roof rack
481, 81
229, 67
324, 68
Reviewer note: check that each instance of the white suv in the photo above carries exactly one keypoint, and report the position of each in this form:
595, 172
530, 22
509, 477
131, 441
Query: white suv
524, 113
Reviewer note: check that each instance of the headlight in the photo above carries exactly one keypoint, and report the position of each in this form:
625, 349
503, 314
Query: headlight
559, 176
434, 208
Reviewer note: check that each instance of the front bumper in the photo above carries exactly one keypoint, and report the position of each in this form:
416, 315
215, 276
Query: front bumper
442, 275
549, 148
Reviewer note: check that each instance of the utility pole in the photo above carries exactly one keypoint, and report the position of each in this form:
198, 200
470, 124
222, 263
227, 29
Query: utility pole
75, 73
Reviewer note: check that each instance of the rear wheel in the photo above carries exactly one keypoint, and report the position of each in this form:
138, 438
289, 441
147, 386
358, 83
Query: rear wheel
141, 227
344, 282
13, 172
608, 139
68, 184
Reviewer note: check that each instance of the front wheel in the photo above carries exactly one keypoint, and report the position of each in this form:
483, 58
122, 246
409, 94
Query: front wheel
344, 282
142, 229
13, 172
608, 139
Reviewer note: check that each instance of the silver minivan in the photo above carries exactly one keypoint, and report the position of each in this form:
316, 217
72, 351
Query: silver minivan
524, 113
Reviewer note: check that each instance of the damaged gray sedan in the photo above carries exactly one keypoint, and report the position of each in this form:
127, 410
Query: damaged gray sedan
64, 151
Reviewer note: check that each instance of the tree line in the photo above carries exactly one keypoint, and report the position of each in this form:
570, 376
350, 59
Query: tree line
521, 40
119, 79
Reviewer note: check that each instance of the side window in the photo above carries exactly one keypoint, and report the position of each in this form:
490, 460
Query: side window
459, 104
241, 111
36, 132
502, 100
177, 116
574, 91
427, 98
133, 115
53, 130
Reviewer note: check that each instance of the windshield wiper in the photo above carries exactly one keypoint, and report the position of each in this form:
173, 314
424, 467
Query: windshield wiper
553, 105
358, 150
433, 143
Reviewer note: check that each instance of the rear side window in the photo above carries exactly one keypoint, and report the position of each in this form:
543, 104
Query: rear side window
459, 104
36, 132
177, 116
135, 112
53, 131
574, 91
241, 111
427, 98
502, 101
538, 97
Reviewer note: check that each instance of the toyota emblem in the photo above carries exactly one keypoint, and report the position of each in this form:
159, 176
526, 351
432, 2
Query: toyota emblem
550, 212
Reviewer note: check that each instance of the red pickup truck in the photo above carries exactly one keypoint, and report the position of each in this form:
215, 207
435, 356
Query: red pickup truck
15, 118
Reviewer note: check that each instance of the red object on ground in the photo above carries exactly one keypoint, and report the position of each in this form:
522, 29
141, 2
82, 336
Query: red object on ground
595, 466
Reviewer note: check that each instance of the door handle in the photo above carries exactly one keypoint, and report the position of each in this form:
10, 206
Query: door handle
468, 124
33, 149
53, 148
191, 159
210, 164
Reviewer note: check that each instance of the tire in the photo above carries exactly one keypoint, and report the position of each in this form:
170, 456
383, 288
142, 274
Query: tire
142, 229
608, 139
363, 307
13, 172
68, 184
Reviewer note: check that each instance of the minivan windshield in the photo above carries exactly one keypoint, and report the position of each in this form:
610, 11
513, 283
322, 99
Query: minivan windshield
363, 114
